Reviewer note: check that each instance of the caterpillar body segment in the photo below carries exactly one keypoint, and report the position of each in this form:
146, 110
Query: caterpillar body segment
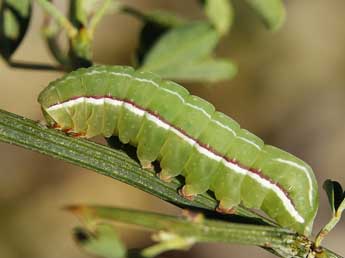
188, 137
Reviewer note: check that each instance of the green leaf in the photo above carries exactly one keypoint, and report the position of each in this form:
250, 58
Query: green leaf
272, 12
180, 46
208, 70
149, 34
164, 18
11, 26
14, 20
77, 14
22, 7
166, 242
336, 198
156, 24
220, 13
103, 241
335, 194
183, 52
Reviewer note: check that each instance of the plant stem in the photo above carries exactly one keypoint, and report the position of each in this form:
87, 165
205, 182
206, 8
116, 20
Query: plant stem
329, 226
133, 12
59, 17
50, 31
109, 162
99, 15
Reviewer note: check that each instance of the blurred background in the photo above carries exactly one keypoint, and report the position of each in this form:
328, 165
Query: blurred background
290, 91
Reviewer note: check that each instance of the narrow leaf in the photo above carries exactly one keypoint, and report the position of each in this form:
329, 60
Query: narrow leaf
156, 24
272, 12
188, 43
338, 195
164, 18
208, 70
328, 187
335, 194
102, 241
166, 242
14, 20
77, 14
220, 13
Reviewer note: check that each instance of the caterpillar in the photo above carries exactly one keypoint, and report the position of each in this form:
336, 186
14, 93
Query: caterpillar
188, 137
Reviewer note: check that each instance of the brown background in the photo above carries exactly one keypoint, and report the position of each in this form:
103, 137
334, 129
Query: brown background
290, 91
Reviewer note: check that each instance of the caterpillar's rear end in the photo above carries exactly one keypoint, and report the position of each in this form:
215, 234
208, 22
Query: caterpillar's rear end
189, 138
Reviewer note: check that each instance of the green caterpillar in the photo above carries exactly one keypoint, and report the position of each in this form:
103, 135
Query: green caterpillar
188, 137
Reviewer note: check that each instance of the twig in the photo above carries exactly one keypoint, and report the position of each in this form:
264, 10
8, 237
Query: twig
96, 18
34, 66
134, 12
329, 226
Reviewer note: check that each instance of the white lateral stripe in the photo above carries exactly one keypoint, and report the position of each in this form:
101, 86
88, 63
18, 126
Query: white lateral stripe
113, 102
98, 102
208, 153
93, 72
181, 135
64, 105
265, 183
158, 122
204, 151
78, 101
133, 109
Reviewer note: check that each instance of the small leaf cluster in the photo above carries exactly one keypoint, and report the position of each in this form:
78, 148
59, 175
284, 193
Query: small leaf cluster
103, 240
336, 196
173, 47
